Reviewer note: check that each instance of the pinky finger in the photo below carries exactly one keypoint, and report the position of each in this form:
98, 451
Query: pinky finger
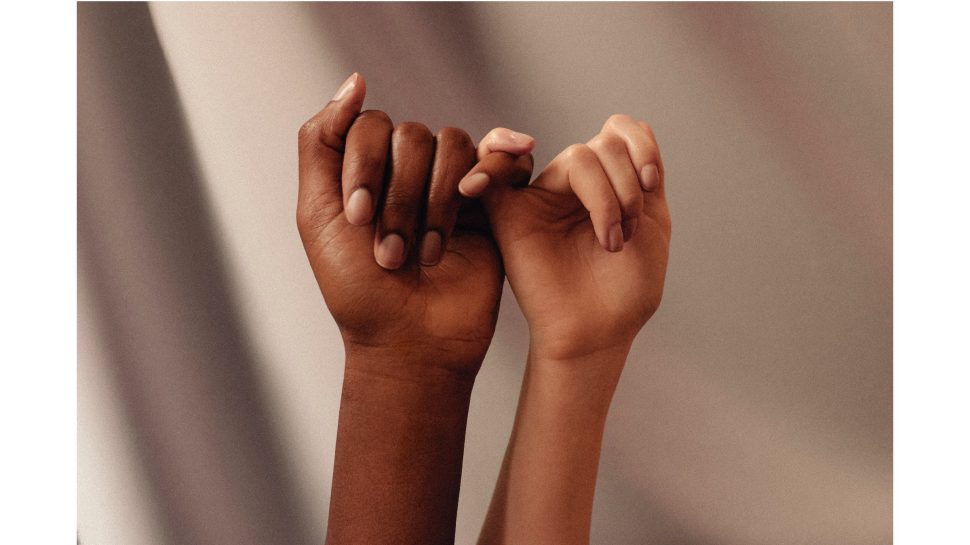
491, 165
507, 140
502, 166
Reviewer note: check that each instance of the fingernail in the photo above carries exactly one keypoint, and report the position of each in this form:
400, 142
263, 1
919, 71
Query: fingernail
519, 137
390, 252
473, 185
650, 177
431, 248
347, 86
615, 238
629, 227
360, 206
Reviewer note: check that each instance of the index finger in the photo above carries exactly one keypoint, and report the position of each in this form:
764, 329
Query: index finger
321, 144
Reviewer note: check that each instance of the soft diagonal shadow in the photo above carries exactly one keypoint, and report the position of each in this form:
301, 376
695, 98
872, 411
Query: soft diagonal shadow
177, 350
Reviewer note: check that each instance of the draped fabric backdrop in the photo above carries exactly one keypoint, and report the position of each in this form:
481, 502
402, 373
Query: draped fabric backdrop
756, 405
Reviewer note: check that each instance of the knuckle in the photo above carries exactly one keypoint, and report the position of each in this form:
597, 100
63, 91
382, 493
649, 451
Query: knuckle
308, 131
617, 120
648, 130
375, 116
412, 130
306, 221
578, 153
611, 143
454, 134
313, 213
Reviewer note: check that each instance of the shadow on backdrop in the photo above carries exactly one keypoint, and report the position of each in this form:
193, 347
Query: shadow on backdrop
149, 249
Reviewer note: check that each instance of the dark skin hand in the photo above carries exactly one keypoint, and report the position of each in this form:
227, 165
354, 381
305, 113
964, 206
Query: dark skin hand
443, 302
413, 279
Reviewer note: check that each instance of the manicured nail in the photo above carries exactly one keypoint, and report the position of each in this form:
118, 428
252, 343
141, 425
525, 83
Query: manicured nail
390, 252
360, 206
431, 248
473, 185
629, 227
520, 138
347, 86
650, 177
615, 238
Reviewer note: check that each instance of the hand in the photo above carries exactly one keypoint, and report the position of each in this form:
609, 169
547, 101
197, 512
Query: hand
400, 266
585, 245
413, 279
585, 250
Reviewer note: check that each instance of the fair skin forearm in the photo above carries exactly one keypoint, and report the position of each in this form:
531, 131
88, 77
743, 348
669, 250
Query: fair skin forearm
585, 250
545, 489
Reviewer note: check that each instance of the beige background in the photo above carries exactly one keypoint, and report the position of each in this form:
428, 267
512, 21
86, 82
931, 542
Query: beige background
756, 405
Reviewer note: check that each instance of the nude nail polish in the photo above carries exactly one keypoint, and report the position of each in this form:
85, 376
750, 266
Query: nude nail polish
615, 238
347, 86
520, 138
431, 248
650, 177
474, 184
360, 207
390, 252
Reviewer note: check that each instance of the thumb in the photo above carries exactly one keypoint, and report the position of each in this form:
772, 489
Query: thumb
321, 146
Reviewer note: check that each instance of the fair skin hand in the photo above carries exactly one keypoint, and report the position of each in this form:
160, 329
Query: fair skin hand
413, 280
585, 250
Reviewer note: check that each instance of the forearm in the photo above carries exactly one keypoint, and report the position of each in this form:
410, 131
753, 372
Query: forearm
545, 489
400, 439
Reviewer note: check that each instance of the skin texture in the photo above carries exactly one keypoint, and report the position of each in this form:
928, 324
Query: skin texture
414, 333
585, 249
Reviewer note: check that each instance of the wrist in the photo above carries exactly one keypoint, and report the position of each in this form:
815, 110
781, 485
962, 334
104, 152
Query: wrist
414, 362
574, 353
398, 457
436, 401
572, 335
588, 379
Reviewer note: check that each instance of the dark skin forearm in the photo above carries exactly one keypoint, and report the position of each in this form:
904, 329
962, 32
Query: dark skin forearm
413, 282
400, 438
